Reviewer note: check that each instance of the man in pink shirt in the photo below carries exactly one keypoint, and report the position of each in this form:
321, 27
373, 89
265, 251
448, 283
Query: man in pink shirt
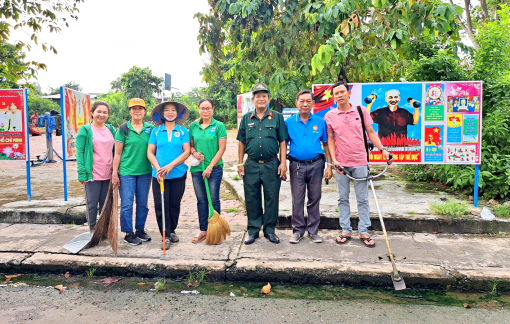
347, 149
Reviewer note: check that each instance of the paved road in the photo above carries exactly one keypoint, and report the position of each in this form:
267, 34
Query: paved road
46, 305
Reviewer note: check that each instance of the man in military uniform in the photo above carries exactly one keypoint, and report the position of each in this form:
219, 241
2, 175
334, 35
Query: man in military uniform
262, 133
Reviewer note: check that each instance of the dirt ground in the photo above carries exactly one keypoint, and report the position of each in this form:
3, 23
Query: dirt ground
47, 305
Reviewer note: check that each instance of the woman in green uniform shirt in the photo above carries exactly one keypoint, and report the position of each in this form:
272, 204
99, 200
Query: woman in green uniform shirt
208, 139
132, 172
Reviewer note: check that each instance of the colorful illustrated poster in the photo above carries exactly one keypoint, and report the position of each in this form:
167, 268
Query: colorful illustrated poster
433, 144
77, 114
454, 128
395, 109
463, 97
460, 154
13, 125
406, 114
244, 105
434, 102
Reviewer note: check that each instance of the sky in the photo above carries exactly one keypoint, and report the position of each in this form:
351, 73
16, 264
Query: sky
111, 36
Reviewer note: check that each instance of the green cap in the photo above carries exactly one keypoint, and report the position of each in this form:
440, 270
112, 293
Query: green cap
260, 87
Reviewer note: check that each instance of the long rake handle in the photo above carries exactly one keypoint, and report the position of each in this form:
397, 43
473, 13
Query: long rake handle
396, 275
162, 189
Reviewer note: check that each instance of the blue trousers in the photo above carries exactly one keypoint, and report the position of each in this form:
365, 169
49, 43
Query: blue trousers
131, 188
214, 182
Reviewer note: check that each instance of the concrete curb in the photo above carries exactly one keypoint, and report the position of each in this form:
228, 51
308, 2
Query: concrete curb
324, 273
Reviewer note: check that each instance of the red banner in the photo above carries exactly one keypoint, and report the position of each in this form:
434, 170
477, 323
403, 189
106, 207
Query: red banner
12, 125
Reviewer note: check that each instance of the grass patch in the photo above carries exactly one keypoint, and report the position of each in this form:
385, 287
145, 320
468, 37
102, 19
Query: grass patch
232, 210
501, 211
160, 285
90, 272
236, 177
412, 213
449, 208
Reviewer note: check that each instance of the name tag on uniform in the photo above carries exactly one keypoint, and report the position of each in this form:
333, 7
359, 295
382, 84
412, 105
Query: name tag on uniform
251, 124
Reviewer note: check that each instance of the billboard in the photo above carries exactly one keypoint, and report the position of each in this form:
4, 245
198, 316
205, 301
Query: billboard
419, 122
76, 113
13, 125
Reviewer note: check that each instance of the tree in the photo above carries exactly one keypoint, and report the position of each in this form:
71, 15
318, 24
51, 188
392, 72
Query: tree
291, 44
13, 66
140, 83
484, 12
71, 85
41, 105
32, 15
119, 111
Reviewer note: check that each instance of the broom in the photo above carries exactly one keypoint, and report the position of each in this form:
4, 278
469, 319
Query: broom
218, 228
106, 227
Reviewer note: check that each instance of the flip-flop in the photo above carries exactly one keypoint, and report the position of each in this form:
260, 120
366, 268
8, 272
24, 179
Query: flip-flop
196, 239
347, 238
367, 239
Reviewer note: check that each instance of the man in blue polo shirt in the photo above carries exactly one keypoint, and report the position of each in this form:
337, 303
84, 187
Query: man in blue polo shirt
306, 132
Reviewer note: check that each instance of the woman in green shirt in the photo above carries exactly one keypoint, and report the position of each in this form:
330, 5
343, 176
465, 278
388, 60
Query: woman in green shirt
208, 139
132, 172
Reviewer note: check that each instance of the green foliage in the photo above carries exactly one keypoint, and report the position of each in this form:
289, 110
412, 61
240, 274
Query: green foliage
13, 66
32, 16
140, 83
491, 64
90, 271
290, 45
197, 276
442, 66
160, 285
41, 105
501, 211
450, 208
492, 59
119, 112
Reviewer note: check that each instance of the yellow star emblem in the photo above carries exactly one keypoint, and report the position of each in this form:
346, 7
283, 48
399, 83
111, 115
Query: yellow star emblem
436, 130
327, 95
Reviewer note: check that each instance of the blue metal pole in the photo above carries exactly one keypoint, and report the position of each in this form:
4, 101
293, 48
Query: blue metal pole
477, 177
64, 138
27, 145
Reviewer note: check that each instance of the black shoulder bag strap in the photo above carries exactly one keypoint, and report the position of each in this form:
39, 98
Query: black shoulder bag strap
364, 133
124, 129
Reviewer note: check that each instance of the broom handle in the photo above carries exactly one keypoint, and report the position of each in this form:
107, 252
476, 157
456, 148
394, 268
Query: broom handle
211, 208
162, 190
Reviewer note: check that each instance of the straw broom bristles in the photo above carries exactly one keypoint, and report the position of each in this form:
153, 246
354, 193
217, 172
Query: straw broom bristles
106, 226
217, 229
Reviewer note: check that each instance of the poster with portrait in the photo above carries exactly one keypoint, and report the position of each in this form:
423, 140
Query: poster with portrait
13, 125
76, 113
244, 105
406, 116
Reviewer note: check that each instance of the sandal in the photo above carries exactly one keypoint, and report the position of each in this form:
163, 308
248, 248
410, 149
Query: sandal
347, 238
197, 239
365, 240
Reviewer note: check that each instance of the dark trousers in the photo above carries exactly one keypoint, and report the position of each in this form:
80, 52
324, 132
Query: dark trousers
174, 190
95, 192
306, 178
258, 177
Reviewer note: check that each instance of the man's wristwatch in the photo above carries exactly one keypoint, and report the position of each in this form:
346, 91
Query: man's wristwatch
383, 149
